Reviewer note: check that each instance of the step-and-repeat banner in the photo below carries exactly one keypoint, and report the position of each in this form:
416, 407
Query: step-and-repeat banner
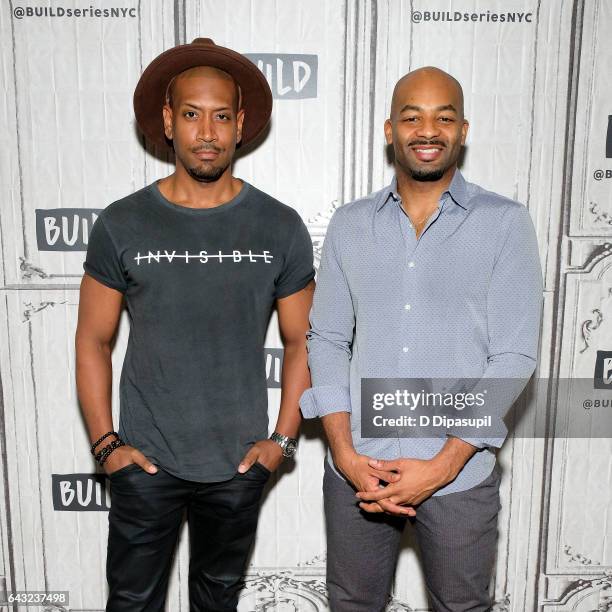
538, 87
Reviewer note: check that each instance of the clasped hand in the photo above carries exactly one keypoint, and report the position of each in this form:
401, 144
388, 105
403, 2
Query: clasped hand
410, 482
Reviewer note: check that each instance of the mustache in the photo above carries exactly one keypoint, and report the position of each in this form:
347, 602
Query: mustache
207, 148
425, 143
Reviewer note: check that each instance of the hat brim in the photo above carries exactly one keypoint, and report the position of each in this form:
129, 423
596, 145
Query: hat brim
149, 95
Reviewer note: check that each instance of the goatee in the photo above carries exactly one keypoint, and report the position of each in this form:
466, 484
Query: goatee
206, 176
427, 175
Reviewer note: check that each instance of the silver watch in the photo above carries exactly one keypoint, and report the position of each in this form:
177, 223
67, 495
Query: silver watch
289, 445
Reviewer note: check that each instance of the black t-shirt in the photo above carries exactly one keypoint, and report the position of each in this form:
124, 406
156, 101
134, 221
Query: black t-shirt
200, 286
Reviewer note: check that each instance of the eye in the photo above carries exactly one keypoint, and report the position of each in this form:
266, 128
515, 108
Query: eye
189, 114
446, 119
409, 119
223, 116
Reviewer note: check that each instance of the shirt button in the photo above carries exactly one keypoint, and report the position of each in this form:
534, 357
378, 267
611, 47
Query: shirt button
411, 264
405, 349
407, 306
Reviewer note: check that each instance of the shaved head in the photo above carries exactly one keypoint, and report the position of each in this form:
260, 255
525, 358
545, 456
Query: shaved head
426, 125
428, 78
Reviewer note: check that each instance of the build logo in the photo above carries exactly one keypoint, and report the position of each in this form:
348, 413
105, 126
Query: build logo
603, 370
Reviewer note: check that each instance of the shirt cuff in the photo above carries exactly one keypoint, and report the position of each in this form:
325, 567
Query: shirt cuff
320, 401
479, 442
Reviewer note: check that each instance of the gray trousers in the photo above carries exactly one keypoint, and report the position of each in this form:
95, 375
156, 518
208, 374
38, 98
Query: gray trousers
456, 535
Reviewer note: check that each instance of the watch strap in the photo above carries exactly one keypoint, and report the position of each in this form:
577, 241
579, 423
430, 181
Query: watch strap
284, 442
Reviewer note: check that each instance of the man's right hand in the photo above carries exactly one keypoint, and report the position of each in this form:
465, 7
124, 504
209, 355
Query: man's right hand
364, 477
125, 455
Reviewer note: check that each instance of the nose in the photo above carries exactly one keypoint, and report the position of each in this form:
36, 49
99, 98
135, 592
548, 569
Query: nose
428, 128
206, 129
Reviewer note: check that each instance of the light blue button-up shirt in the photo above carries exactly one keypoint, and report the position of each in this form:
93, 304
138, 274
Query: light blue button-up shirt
464, 300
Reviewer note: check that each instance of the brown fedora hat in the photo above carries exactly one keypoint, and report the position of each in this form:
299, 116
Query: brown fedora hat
149, 95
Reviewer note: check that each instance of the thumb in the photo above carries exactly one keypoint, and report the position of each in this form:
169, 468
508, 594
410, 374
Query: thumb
248, 460
144, 463
382, 464
150, 467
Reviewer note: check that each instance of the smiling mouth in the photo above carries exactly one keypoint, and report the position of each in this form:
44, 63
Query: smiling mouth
427, 153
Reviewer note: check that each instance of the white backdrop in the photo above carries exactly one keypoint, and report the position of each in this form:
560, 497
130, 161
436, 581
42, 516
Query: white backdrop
539, 97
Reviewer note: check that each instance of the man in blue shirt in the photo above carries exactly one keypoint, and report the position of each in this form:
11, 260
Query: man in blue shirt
431, 277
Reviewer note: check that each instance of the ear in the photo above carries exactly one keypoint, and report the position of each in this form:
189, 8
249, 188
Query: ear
464, 131
388, 132
239, 122
167, 114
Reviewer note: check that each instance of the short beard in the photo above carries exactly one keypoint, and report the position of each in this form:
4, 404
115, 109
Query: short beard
206, 176
425, 175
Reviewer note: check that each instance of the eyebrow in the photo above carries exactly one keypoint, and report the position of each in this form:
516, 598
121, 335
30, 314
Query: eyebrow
444, 107
220, 108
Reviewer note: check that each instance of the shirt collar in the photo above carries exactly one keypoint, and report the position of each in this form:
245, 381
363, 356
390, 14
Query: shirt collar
457, 191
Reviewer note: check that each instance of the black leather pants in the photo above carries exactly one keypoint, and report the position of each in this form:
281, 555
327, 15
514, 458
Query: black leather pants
144, 521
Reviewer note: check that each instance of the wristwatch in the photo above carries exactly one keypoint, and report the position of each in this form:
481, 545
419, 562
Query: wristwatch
289, 445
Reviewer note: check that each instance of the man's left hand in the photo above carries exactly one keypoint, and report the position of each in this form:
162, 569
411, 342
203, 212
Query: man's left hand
419, 479
266, 452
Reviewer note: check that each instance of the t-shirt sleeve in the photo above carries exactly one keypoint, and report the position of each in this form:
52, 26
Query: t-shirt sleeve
298, 269
102, 260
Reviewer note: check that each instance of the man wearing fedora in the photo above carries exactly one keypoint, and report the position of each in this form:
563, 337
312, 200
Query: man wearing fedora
200, 258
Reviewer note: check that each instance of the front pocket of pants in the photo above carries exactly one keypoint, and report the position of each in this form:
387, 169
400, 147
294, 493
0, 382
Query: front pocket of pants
262, 467
126, 469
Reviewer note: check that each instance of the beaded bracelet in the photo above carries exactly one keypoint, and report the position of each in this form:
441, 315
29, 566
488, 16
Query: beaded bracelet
103, 460
102, 456
112, 445
108, 433
110, 448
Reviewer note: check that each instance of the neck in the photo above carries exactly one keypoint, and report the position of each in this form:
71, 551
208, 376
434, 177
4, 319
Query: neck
181, 188
418, 194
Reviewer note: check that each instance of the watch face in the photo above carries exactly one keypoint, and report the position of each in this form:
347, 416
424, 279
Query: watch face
290, 449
